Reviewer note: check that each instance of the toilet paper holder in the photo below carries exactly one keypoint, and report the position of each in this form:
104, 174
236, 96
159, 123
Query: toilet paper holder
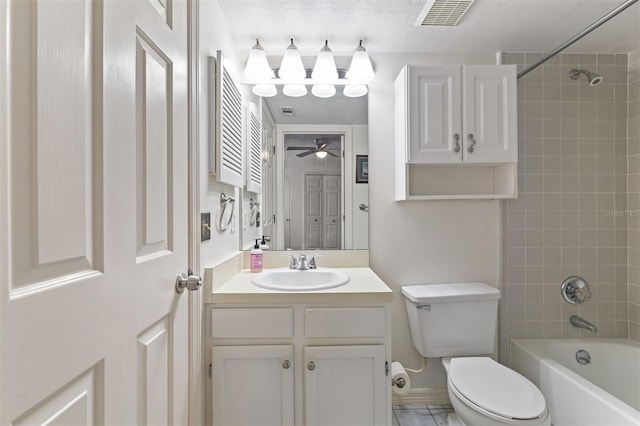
399, 383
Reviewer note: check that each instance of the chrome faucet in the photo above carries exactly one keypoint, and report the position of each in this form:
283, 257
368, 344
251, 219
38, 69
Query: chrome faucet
579, 322
301, 263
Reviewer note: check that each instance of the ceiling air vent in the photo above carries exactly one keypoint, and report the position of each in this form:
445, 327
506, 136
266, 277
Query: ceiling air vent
288, 111
443, 13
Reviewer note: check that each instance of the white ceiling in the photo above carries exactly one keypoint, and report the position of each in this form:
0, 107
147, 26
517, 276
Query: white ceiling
389, 26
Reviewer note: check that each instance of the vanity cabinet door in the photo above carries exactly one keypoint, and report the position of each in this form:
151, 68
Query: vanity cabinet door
252, 385
345, 385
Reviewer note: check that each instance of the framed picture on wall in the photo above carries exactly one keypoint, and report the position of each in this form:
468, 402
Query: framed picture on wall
362, 169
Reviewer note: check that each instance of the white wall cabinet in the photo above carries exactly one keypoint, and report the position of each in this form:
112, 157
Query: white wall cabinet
301, 364
456, 132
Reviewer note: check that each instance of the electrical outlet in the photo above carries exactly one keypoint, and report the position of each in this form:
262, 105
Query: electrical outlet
205, 226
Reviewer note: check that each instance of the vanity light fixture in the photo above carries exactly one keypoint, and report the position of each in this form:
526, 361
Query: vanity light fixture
323, 78
257, 68
361, 70
291, 68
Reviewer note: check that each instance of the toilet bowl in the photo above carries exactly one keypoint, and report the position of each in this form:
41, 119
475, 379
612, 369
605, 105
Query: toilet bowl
484, 392
457, 322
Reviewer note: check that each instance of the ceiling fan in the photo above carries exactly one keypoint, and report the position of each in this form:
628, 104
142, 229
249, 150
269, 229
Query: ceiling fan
320, 149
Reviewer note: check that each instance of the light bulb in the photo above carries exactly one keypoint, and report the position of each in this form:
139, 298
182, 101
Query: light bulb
294, 90
257, 68
325, 68
265, 90
361, 70
291, 68
355, 90
321, 154
323, 90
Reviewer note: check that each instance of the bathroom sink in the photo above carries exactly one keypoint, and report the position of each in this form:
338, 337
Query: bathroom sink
286, 279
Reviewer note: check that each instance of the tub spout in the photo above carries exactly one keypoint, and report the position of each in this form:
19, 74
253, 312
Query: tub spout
579, 322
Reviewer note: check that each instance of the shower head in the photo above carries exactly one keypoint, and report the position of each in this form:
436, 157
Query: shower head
592, 77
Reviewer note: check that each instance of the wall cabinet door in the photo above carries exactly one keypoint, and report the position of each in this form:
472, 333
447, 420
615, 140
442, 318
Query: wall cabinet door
490, 114
434, 114
345, 385
252, 385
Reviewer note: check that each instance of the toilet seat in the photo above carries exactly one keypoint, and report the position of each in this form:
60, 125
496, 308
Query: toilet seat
495, 388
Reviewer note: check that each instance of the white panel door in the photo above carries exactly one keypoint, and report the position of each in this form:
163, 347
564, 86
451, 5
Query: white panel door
435, 122
252, 385
93, 212
490, 114
332, 209
313, 212
344, 385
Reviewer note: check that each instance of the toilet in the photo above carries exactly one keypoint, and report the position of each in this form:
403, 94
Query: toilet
457, 322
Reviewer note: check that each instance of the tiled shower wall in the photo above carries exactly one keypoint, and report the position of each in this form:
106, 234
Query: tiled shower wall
634, 194
571, 214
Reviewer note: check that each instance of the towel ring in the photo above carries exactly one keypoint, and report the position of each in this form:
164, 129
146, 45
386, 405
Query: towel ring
224, 202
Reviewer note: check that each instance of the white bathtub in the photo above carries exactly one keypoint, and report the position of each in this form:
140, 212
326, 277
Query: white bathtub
603, 392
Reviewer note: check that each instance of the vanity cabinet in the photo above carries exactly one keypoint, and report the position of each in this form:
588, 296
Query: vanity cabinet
456, 132
300, 364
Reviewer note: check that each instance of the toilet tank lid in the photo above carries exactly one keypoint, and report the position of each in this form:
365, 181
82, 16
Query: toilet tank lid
450, 292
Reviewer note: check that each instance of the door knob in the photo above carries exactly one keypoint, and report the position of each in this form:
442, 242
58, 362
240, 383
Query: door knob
311, 365
190, 282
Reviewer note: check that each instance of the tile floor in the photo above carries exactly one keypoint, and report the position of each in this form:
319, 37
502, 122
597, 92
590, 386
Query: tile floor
421, 415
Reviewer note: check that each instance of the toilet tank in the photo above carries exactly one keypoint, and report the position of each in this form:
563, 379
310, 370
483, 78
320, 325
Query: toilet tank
448, 320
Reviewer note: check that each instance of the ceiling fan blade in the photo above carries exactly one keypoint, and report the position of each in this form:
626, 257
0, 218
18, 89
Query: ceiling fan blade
304, 154
299, 148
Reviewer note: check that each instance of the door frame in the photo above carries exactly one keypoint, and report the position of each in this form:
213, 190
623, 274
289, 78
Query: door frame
196, 356
346, 131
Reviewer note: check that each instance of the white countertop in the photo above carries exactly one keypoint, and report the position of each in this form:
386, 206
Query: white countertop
363, 286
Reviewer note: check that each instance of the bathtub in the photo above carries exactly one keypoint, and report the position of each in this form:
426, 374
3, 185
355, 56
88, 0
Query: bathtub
605, 391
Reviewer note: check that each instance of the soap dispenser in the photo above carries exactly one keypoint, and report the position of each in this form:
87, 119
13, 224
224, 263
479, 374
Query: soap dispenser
256, 257
263, 243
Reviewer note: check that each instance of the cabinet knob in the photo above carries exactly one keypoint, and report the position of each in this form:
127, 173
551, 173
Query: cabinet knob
311, 366
471, 148
456, 146
286, 364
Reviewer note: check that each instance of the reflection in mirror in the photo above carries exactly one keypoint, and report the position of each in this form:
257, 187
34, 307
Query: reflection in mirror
309, 172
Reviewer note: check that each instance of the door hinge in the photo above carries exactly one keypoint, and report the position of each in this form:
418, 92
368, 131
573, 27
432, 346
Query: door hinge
386, 368
210, 370
273, 148
274, 218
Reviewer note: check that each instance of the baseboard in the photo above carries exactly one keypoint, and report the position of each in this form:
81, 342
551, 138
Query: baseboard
422, 396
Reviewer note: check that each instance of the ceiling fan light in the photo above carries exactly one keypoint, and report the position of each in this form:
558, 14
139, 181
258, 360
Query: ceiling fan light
355, 90
257, 68
294, 90
361, 70
325, 67
291, 68
323, 90
321, 154
265, 90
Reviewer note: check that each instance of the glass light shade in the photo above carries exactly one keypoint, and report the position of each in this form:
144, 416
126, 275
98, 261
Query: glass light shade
321, 154
361, 70
323, 90
294, 90
265, 90
291, 68
325, 68
355, 90
257, 68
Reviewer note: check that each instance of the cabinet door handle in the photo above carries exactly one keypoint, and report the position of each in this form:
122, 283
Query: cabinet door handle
471, 148
311, 366
456, 138
286, 364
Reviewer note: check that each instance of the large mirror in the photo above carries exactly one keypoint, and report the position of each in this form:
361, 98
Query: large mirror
315, 172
